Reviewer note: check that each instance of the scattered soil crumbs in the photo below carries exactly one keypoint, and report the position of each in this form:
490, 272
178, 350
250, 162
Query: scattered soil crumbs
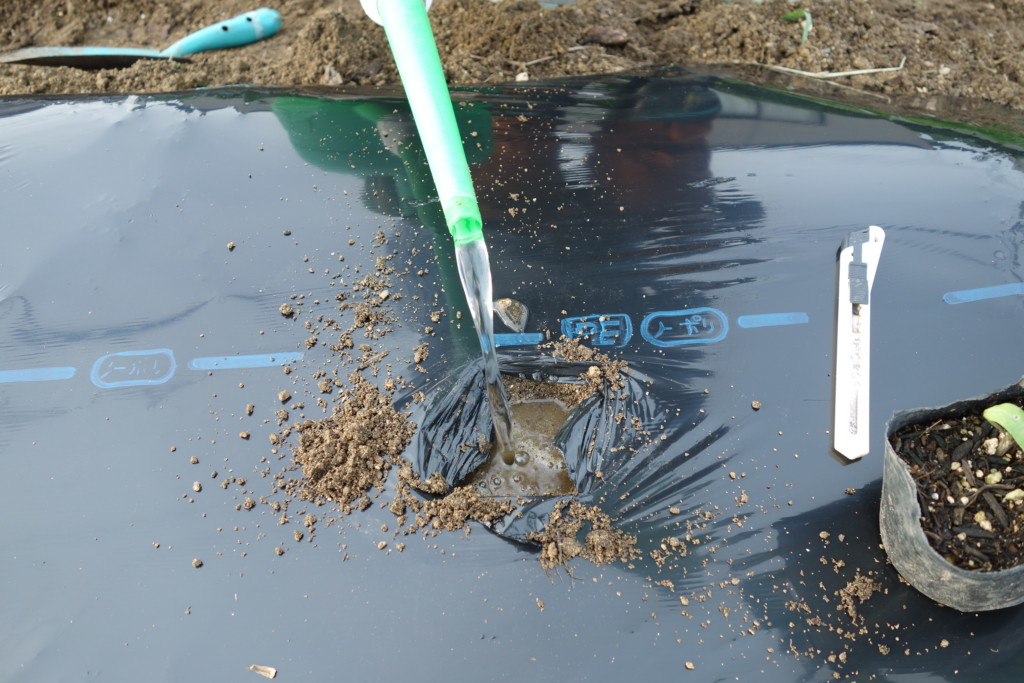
347, 454
828, 600
344, 456
523, 390
347, 457
970, 486
857, 592
603, 368
452, 512
603, 543
952, 49
602, 371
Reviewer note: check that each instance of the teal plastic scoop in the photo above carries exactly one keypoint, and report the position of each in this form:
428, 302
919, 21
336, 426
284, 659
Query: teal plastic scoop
412, 43
241, 30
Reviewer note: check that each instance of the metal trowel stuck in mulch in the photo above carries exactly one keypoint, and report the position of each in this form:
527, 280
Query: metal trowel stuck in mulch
241, 30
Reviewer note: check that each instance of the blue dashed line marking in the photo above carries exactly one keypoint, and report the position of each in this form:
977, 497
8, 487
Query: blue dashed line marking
260, 360
965, 296
772, 319
152, 366
36, 375
526, 339
663, 329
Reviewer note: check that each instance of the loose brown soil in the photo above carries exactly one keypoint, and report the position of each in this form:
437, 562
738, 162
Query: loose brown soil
346, 458
857, 592
346, 455
602, 542
965, 468
958, 49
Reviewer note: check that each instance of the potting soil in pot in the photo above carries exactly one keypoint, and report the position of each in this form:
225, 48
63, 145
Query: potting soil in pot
966, 472
238, 376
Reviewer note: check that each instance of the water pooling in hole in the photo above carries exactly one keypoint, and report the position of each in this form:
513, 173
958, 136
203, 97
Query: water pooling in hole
535, 425
475, 273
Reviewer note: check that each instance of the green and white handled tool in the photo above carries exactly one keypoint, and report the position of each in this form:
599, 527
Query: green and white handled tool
412, 43
419, 65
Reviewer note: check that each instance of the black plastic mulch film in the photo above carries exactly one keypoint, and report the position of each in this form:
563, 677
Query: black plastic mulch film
684, 223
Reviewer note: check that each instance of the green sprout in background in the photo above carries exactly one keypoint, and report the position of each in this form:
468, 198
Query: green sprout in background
1009, 418
804, 17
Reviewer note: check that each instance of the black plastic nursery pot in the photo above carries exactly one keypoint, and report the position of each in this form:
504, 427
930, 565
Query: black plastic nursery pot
903, 523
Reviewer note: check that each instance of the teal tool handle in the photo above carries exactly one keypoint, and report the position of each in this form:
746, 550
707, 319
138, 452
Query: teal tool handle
241, 30
412, 43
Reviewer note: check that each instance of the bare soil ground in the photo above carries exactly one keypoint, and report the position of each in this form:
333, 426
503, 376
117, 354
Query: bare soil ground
951, 49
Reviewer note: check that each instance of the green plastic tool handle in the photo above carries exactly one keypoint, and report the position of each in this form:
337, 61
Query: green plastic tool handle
412, 44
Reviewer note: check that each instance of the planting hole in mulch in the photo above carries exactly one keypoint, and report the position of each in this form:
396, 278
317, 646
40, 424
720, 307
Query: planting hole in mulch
535, 425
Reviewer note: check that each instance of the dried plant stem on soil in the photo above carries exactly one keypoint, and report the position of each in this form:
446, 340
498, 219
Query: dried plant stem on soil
836, 74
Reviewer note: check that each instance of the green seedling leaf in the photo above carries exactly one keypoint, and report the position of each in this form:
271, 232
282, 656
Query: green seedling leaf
802, 16
1009, 418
